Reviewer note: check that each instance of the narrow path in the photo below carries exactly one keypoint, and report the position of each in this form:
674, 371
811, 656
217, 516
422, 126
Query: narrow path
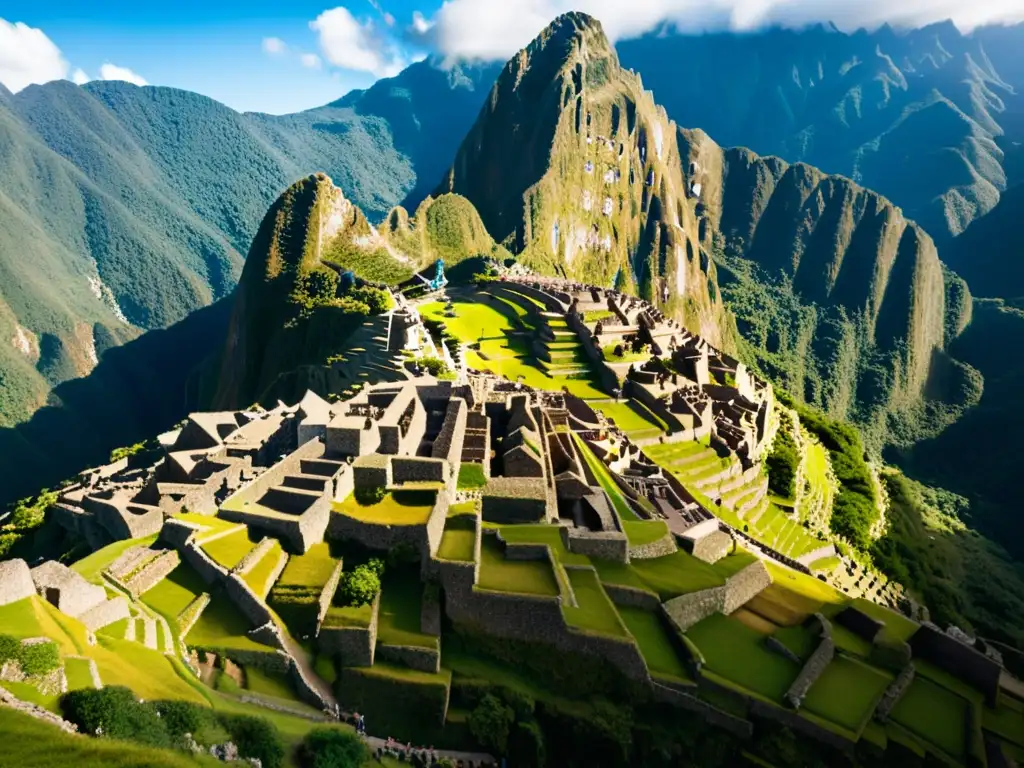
375, 743
296, 651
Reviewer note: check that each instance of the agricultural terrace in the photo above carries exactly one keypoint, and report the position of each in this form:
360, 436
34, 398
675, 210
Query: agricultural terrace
499, 332
296, 594
395, 508
401, 597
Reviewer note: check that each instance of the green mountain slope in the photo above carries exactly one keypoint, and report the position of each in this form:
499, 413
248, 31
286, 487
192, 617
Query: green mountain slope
573, 165
990, 253
125, 208
837, 295
923, 117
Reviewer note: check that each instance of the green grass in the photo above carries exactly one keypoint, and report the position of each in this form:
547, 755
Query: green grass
851, 643
676, 574
348, 616
655, 642
492, 325
594, 611
222, 625
311, 569
259, 574
268, 684
90, 567
396, 508
24, 738
229, 550
471, 476
847, 692
398, 621
934, 714
799, 639
532, 577
28, 692
77, 671
897, 625
172, 594
641, 532
117, 629
211, 523
542, 533
605, 480
459, 539
1006, 720
736, 652
628, 356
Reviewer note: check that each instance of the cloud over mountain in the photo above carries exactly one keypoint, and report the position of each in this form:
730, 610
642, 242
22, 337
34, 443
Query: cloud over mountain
28, 56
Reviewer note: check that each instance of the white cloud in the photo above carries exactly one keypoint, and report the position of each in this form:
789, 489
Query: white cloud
310, 60
389, 19
113, 72
420, 23
274, 45
79, 77
28, 56
356, 44
490, 29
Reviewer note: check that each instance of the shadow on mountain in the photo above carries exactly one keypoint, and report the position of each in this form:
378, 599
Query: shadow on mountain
137, 391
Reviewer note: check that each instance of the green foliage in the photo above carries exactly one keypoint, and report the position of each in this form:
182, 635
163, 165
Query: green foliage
435, 366
377, 300
39, 658
10, 648
332, 748
526, 745
181, 717
359, 586
127, 451
368, 496
782, 463
490, 723
114, 712
471, 476
255, 737
376, 266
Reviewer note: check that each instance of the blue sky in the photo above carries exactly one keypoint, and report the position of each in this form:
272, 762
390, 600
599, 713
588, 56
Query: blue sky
289, 55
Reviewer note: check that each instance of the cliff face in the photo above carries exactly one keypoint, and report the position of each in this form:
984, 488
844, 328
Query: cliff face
990, 253
572, 165
836, 293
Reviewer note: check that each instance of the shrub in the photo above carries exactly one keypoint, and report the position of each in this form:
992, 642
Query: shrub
435, 366
332, 748
10, 648
490, 723
114, 712
526, 746
181, 717
367, 497
359, 586
377, 299
39, 658
255, 737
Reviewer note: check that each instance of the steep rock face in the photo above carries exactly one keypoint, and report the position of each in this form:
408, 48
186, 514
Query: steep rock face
573, 165
990, 254
924, 116
836, 293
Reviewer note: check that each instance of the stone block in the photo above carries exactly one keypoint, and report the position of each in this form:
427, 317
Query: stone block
15, 581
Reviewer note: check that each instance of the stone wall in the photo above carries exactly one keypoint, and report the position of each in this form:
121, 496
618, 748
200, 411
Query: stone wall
269, 661
666, 545
829, 550
327, 593
211, 572
15, 581
65, 589
815, 665
27, 708
254, 609
776, 646
686, 610
105, 613
630, 596
894, 692
607, 546
449, 441
190, 613
434, 531
713, 547
352, 646
932, 644
253, 556
859, 623
798, 724
152, 573
307, 689
412, 469
176, 532
738, 726
414, 657
430, 610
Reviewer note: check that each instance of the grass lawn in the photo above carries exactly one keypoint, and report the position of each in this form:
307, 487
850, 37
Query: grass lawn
90, 567
398, 622
459, 539
117, 629
736, 652
732, 564
532, 577
172, 594
632, 417
396, 508
211, 523
259, 574
77, 671
676, 574
471, 476
934, 714
1006, 720
348, 616
641, 532
850, 642
222, 625
463, 509
594, 611
542, 533
229, 550
268, 684
896, 624
656, 643
847, 692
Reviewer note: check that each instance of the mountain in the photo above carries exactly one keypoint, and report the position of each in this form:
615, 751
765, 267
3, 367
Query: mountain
990, 253
923, 117
838, 296
572, 165
125, 208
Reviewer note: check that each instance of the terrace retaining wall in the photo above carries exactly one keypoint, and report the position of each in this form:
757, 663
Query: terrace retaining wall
151, 574
327, 594
190, 613
211, 572
608, 545
894, 692
251, 606
414, 657
815, 665
666, 545
738, 726
105, 613
353, 646
430, 610
620, 594
253, 556
798, 724
932, 644
687, 610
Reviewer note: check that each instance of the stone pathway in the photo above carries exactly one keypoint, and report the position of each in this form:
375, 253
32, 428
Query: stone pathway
375, 743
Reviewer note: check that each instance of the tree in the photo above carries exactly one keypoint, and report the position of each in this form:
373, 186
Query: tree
332, 748
359, 587
490, 723
526, 745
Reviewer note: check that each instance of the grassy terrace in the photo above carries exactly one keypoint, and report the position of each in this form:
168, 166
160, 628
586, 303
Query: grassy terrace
259, 575
934, 714
471, 476
212, 524
396, 508
500, 331
633, 418
655, 642
92, 566
229, 550
594, 611
532, 577
459, 540
847, 693
398, 622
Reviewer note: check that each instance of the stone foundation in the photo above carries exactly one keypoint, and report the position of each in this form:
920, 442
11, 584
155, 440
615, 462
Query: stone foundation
414, 657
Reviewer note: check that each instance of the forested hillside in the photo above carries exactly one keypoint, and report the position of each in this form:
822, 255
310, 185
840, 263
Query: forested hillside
924, 117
